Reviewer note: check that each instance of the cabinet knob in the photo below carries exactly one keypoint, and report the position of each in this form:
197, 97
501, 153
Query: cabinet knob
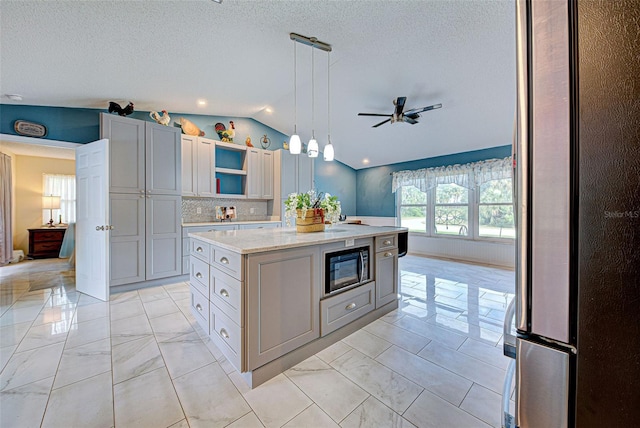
387, 242
99, 227
224, 261
350, 306
142, 196
224, 333
142, 191
388, 254
198, 275
198, 307
224, 293
199, 249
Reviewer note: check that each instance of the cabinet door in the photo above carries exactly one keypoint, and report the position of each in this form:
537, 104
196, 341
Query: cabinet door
206, 167
163, 236
189, 165
305, 173
288, 174
163, 160
126, 153
386, 277
254, 173
267, 174
126, 248
283, 295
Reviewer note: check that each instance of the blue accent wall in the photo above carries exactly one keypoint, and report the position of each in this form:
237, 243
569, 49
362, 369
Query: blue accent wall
337, 179
373, 185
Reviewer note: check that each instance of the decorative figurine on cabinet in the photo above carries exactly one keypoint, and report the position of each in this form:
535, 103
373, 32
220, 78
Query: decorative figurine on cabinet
248, 141
265, 142
190, 128
162, 119
228, 134
115, 108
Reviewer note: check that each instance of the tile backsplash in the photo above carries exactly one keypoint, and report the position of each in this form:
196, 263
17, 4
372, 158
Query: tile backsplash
208, 209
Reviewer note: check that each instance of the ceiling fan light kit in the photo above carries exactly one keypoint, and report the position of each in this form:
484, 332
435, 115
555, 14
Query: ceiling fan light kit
295, 145
399, 115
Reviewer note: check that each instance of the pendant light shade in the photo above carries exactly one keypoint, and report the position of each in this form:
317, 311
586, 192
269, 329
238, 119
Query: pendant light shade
328, 151
295, 145
312, 149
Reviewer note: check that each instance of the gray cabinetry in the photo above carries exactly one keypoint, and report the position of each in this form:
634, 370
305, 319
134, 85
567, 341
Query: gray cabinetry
145, 203
340, 310
259, 174
293, 174
198, 166
283, 291
386, 269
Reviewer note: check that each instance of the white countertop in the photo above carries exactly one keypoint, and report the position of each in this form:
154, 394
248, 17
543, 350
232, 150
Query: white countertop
227, 223
260, 240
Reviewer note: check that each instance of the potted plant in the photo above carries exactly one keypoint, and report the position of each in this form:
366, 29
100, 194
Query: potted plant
311, 210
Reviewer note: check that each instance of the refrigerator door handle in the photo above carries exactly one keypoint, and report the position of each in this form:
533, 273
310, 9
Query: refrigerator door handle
521, 162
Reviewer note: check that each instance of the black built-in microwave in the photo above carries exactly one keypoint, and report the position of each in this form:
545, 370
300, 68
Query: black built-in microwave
346, 269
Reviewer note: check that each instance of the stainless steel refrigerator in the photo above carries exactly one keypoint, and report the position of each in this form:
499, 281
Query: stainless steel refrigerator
577, 176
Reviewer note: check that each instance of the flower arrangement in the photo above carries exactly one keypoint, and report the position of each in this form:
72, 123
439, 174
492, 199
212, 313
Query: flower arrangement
312, 201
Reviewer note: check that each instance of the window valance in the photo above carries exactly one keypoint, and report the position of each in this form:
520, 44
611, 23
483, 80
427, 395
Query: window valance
467, 175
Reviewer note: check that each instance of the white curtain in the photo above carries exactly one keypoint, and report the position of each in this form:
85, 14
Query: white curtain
468, 175
65, 187
6, 237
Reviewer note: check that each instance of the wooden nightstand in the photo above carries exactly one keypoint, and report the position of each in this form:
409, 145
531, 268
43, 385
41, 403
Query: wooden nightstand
45, 242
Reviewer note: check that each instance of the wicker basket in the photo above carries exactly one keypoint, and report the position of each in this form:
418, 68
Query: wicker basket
312, 222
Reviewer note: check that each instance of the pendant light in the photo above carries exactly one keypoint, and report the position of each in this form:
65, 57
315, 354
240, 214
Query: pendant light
295, 145
328, 148
312, 149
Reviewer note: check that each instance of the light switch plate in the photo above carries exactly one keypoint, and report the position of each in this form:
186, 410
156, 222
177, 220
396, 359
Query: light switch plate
198, 210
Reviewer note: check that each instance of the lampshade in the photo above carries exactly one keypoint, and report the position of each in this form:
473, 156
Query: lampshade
328, 152
295, 145
312, 148
51, 202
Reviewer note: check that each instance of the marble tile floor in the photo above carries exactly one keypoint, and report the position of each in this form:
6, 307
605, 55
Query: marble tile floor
140, 360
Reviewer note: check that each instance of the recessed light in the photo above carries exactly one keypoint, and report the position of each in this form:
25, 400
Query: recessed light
202, 103
14, 97
268, 110
365, 161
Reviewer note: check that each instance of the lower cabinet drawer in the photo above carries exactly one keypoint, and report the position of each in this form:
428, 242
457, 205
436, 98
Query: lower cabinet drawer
227, 336
340, 310
227, 261
226, 294
199, 249
200, 308
199, 275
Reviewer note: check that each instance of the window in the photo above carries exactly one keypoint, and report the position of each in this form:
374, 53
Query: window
495, 209
451, 210
413, 209
65, 187
471, 201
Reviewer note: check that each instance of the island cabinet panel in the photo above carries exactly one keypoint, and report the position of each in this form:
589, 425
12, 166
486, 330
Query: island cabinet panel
227, 336
226, 294
200, 308
283, 291
386, 277
340, 310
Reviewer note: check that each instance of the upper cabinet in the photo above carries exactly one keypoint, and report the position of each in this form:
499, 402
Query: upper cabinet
198, 165
144, 157
259, 173
296, 173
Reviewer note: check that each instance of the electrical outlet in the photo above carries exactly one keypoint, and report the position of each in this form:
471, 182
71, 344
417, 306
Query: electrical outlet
252, 210
198, 210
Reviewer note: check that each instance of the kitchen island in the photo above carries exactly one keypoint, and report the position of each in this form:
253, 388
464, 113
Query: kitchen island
271, 298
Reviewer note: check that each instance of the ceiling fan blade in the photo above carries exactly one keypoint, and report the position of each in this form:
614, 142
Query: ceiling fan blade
374, 114
381, 123
399, 103
420, 110
412, 115
409, 120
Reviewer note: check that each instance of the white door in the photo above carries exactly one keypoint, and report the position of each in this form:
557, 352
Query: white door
92, 210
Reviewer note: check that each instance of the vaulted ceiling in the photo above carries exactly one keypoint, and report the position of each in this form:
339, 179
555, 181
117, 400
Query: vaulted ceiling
238, 57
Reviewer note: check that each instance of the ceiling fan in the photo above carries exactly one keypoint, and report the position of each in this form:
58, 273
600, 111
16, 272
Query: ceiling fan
409, 116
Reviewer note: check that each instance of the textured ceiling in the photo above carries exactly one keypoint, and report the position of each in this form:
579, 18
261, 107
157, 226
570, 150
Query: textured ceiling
39, 150
238, 57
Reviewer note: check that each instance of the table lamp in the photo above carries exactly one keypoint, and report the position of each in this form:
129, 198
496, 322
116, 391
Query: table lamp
51, 203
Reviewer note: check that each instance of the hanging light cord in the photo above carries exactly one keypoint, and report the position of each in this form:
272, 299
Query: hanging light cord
328, 98
313, 103
295, 90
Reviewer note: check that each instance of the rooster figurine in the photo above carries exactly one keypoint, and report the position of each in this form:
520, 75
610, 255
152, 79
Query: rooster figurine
228, 134
162, 119
115, 107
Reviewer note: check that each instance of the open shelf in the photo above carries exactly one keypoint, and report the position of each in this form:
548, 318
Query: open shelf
231, 146
231, 171
230, 196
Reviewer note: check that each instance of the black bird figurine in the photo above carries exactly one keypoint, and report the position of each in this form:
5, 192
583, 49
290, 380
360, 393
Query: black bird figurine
115, 107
